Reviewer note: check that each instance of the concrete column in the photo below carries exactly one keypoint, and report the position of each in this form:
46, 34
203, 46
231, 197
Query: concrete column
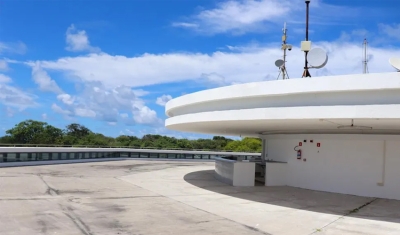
264, 150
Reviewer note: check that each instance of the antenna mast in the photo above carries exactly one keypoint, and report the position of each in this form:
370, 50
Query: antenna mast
285, 46
306, 45
281, 64
365, 61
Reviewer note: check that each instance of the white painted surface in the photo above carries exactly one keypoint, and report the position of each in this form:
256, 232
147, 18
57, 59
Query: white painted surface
276, 174
244, 173
359, 161
347, 164
235, 173
224, 170
307, 105
314, 85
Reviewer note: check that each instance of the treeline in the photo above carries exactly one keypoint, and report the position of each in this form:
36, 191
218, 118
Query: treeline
41, 133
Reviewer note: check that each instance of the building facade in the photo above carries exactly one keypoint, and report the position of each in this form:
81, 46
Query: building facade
336, 133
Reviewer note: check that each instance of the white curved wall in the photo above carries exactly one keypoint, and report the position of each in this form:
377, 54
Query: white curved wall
348, 89
292, 106
363, 165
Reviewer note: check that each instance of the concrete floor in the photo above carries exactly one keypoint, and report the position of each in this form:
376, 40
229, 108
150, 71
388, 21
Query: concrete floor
174, 197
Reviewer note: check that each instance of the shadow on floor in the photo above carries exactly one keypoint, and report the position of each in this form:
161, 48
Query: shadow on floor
303, 199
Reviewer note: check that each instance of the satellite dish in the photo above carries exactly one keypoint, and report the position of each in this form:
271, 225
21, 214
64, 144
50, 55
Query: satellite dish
395, 62
279, 63
317, 58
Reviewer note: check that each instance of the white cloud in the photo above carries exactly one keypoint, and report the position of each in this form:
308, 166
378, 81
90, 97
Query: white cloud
3, 65
13, 47
237, 16
44, 81
59, 110
392, 31
4, 78
185, 25
242, 16
44, 116
127, 132
140, 92
162, 100
110, 105
214, 78
66, 99
124, 115
15, 97
145, 115
255, 63
82, 112
77, 40
10, 112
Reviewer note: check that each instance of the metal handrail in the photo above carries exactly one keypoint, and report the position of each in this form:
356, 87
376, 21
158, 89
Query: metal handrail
126, 147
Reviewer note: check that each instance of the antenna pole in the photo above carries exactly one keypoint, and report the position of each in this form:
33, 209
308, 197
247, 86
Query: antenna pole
284, 52
282, 66
365, 61
306, 73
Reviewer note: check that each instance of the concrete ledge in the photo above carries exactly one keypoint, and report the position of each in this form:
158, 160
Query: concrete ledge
56, 162
235, 173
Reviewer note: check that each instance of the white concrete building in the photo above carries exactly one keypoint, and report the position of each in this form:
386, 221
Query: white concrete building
347, 129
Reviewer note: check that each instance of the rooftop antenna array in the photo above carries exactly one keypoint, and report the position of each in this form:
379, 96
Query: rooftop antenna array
313, 58
365, 53
281, 64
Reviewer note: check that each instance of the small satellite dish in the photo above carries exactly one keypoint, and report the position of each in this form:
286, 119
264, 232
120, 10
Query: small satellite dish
395, 62
279, 63
317, 58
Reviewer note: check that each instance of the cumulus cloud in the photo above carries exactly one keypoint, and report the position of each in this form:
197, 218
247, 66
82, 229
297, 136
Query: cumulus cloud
44, 116
162, 100
66, 99
110, 105
255, 63
43, 80
111, 84
145, 115
78, 40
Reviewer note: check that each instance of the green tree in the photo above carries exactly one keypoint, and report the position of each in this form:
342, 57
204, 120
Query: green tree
34, 132
245, 145
77, 130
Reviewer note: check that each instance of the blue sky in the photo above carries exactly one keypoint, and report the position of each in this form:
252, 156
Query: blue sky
112, 65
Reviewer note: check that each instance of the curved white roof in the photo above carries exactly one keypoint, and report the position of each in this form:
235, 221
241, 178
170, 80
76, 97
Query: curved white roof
305, 105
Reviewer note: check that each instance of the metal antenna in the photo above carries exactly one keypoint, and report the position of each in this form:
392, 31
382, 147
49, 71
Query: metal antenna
285, 46
306, 73
365, 54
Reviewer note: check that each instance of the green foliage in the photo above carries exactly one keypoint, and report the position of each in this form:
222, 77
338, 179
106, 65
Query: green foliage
245, 145
35, 132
